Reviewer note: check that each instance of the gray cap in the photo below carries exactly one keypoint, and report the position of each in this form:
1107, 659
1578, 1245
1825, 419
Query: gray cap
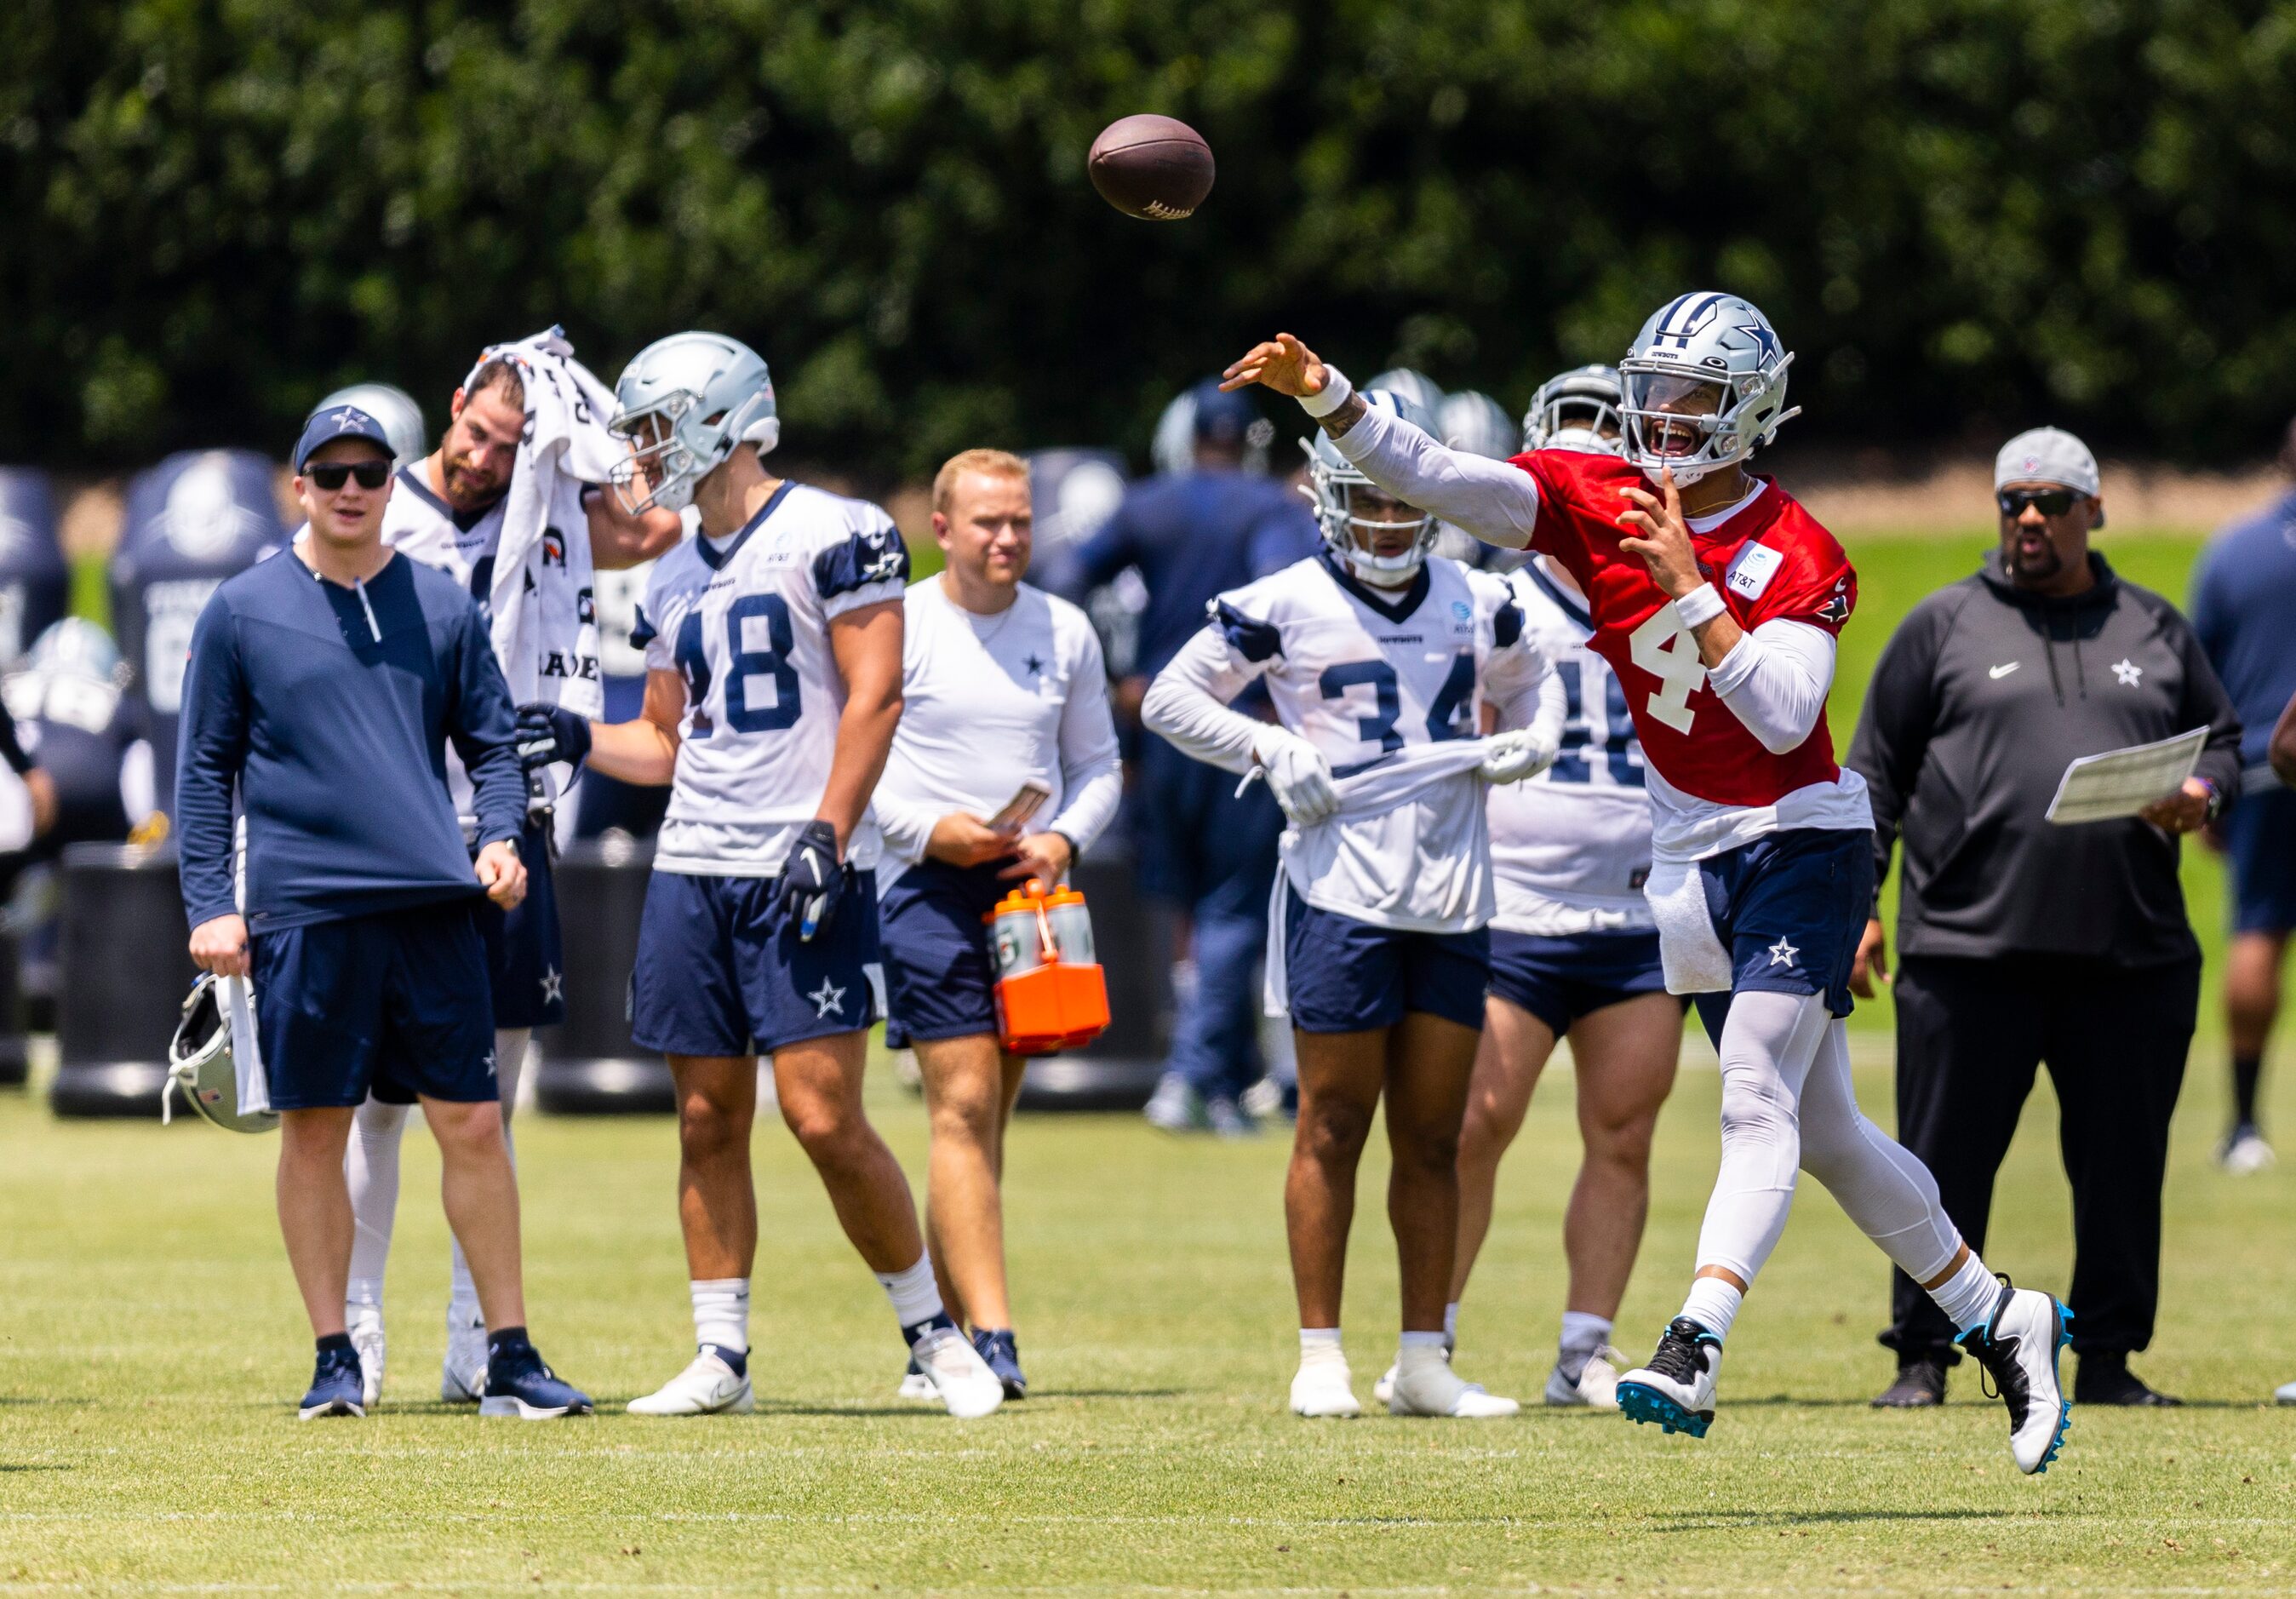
2048, 455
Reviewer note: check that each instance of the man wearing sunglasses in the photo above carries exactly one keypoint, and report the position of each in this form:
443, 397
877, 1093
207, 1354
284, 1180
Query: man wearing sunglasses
2021, 942
323, 686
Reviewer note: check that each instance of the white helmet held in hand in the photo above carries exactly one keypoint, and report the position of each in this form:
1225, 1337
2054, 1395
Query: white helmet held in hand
200, 1063
1335, 482
1705, 386
1576, 410
685, 403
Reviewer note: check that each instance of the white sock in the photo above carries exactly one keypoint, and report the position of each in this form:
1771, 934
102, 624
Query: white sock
915, 1296
721, 1312
1451, 1321
1968, 1296
1416, 1350
1319, 1346
1582, 1335
1713, 1304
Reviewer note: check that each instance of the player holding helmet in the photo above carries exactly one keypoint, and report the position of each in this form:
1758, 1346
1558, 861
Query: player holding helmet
1377, 657
773, 646
1716, 599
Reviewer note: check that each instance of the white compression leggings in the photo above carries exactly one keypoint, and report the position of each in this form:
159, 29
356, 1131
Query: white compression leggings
1788, 1107
370, 1168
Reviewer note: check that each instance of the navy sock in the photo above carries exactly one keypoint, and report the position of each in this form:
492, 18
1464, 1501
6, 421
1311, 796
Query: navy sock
335, 1343
2247, 1070
507, 1343
931, 1323
737, 1359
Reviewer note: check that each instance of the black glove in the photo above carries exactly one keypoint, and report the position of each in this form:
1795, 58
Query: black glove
813, 878
547, 733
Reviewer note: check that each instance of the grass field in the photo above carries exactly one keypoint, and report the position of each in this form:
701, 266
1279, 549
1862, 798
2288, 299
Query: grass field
151, 1345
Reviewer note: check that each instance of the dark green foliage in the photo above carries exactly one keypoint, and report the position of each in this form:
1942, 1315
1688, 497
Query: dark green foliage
1965, 213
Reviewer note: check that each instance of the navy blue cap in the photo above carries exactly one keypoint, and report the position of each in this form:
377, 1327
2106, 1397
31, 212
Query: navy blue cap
1222, 418
340, 422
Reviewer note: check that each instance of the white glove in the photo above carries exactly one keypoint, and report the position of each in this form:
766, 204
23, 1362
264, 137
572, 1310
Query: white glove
1298, 776
1512, 756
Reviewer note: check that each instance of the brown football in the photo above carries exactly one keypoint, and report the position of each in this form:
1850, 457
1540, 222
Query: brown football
1154, 167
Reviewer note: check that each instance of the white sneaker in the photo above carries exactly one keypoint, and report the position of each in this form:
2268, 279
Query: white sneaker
1383, 1393
2286, 1394
1432, 1388
1325, 1387
364, 1325
2018, 1347
1677, 1389
2244, 1151
707, 1387
1597, 1386
463, 1374
960, 1377
916, 1385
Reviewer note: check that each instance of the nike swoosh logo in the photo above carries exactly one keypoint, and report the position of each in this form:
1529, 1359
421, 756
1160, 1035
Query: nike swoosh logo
2003, 671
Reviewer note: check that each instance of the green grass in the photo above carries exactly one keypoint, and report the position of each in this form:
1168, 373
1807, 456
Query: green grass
151, 1343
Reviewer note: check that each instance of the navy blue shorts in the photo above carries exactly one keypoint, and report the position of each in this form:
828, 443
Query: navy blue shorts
526, 964
1346, 976
721, 971
1790, 908
1558, 979
395, 1003
941, 979
2260, 836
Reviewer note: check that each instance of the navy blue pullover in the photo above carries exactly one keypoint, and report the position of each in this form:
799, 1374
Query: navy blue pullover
2244, 612
328, 710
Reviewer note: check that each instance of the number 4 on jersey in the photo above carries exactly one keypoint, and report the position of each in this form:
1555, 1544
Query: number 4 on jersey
1663, 647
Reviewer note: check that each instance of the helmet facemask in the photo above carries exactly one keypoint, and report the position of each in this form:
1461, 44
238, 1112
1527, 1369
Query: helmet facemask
1689, 422
660, 470
1350, 511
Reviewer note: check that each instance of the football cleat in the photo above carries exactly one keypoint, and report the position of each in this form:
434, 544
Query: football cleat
519, 1384
365, 1326
1432, 1388
1919, 1385
707, 1386
462, 1373
1002, 1351
1598, 1387
2018, 1347
961, 1380
1325, 1388
2286, 1394
1677, 1389
336, 1389
915, 1384
1383, 1393
2244, 1151
1174, 1107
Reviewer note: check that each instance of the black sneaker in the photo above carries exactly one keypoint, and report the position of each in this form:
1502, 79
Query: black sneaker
1919, 1384
2102, 1377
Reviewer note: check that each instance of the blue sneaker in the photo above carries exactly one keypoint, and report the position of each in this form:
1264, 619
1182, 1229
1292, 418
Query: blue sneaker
337, 1387
519, 1384
1003, 1355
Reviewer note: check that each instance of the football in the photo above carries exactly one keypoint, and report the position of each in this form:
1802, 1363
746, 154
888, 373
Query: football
1157, 169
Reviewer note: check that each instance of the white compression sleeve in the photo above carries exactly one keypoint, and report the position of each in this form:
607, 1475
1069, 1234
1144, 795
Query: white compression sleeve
1889, 1193
1768, 1046
1187, 705
371, 1170
1775, 679
1494, 500
1092, 762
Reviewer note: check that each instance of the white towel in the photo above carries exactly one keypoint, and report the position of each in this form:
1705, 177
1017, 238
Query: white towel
541, 600
1395, 780
1695, 960
238, 997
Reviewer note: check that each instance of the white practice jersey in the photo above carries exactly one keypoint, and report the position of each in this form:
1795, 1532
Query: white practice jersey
990, 703
747, 627
1362, 673
1571, 846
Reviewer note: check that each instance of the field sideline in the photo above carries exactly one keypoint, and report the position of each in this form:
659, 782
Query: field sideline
150, 1345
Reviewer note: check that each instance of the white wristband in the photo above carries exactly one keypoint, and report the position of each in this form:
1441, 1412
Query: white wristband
1335, 392
1701, 605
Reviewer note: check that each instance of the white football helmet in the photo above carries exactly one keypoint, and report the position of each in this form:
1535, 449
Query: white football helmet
685, 402
1332, 480
394, 408
1472, 421
1576, 410
200, 1063
1705, 386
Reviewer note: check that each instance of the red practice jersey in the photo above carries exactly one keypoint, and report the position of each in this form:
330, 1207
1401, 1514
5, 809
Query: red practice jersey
1771, 559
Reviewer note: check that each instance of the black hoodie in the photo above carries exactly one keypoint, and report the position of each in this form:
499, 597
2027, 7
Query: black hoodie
1985, 693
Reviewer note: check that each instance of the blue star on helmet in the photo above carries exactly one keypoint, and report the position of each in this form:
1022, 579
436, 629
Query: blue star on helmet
1764, 340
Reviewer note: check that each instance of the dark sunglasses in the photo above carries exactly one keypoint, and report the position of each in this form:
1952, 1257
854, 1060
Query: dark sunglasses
329, 475
2053, 502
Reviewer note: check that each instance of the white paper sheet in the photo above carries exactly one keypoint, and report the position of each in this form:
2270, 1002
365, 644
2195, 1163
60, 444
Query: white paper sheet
2120, 782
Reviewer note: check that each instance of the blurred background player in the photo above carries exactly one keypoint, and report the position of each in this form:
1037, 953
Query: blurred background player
1003, 695
1574, 949
365, 958
2243, 609
448, 509
1206, 850
773, 648
1378, 659
1762, 870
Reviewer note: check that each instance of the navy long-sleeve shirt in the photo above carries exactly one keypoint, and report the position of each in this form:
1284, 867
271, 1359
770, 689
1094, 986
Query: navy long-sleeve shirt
2244, 612
327, 708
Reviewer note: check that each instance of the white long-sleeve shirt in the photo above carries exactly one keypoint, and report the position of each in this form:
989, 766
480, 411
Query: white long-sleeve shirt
990, 703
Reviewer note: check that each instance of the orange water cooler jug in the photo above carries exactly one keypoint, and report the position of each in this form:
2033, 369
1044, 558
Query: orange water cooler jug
1051, 992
